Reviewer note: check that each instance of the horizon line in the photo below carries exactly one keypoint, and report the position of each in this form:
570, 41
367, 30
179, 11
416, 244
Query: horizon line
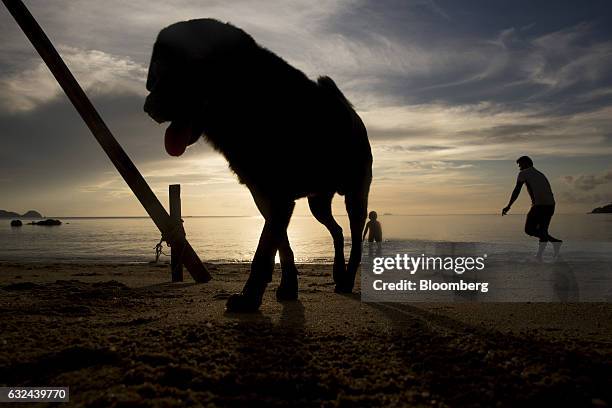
295, 215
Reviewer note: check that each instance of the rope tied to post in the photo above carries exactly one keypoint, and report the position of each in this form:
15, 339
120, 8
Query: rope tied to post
159, 250
176, 234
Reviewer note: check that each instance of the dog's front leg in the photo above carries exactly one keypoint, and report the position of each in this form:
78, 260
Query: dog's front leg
277, 213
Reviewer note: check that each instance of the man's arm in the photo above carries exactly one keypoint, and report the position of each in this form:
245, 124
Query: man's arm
513, 197
365, 231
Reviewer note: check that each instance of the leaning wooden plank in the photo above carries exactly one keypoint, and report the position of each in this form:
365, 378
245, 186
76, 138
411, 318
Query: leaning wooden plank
113, 149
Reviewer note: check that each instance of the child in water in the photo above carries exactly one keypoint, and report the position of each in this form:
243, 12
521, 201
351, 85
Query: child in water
375, 230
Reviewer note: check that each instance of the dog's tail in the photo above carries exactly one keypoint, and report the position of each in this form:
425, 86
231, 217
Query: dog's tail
330, 86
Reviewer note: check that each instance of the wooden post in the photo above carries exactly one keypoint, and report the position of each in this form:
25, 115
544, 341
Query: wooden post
176, 250
103, 135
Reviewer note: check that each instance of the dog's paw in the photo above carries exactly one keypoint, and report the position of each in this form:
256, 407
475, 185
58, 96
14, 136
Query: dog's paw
344, 287
240, 303
286, 293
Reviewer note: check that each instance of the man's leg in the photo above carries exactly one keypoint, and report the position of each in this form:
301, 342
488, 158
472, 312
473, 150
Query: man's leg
541, 248
531, 222
546, 218
545, 223
533, 228
538, 220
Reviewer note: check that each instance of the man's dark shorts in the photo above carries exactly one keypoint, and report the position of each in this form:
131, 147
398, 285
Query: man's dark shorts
538, 220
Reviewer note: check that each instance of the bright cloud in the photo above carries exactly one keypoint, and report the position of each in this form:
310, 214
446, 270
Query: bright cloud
96, 71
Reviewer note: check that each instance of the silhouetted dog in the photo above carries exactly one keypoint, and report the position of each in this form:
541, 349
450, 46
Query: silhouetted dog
284, 135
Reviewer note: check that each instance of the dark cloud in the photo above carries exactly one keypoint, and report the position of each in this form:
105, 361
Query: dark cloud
440, 20
594, 199
104, 26
557, 54
589, 182
51, 144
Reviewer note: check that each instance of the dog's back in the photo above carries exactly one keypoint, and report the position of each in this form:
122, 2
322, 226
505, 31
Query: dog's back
279, 130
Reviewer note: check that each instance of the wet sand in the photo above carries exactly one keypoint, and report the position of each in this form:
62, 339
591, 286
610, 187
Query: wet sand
122, 335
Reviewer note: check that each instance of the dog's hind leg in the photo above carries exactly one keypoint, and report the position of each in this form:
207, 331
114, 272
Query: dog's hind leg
320, 206
357, 208
277, 213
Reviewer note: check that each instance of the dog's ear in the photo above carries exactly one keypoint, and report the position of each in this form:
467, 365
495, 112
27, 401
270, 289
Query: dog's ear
155, 68
151, 77
330, 86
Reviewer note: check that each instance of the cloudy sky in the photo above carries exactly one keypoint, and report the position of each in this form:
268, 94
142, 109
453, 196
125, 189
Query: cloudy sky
451, 92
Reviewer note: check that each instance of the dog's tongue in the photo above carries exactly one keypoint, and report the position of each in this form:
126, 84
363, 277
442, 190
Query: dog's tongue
177, 138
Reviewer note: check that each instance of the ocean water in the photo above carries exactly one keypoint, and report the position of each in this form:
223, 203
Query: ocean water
234, 239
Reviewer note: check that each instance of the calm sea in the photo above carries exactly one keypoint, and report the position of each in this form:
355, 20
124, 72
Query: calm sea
233, 239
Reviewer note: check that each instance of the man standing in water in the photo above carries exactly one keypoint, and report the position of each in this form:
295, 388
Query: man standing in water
542, 204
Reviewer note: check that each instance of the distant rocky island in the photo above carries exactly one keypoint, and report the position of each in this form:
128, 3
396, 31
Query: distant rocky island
49, 222
606, 209
29, 214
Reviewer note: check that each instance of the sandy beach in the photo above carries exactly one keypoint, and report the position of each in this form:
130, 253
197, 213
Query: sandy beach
123, 335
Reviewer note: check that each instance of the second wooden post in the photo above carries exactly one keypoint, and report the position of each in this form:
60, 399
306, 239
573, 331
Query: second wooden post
176, 251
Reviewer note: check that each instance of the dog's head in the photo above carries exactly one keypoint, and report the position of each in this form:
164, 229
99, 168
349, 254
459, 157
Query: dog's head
185, 64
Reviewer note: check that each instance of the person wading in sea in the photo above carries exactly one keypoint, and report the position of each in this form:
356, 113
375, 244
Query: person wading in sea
375, 229
542, 204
